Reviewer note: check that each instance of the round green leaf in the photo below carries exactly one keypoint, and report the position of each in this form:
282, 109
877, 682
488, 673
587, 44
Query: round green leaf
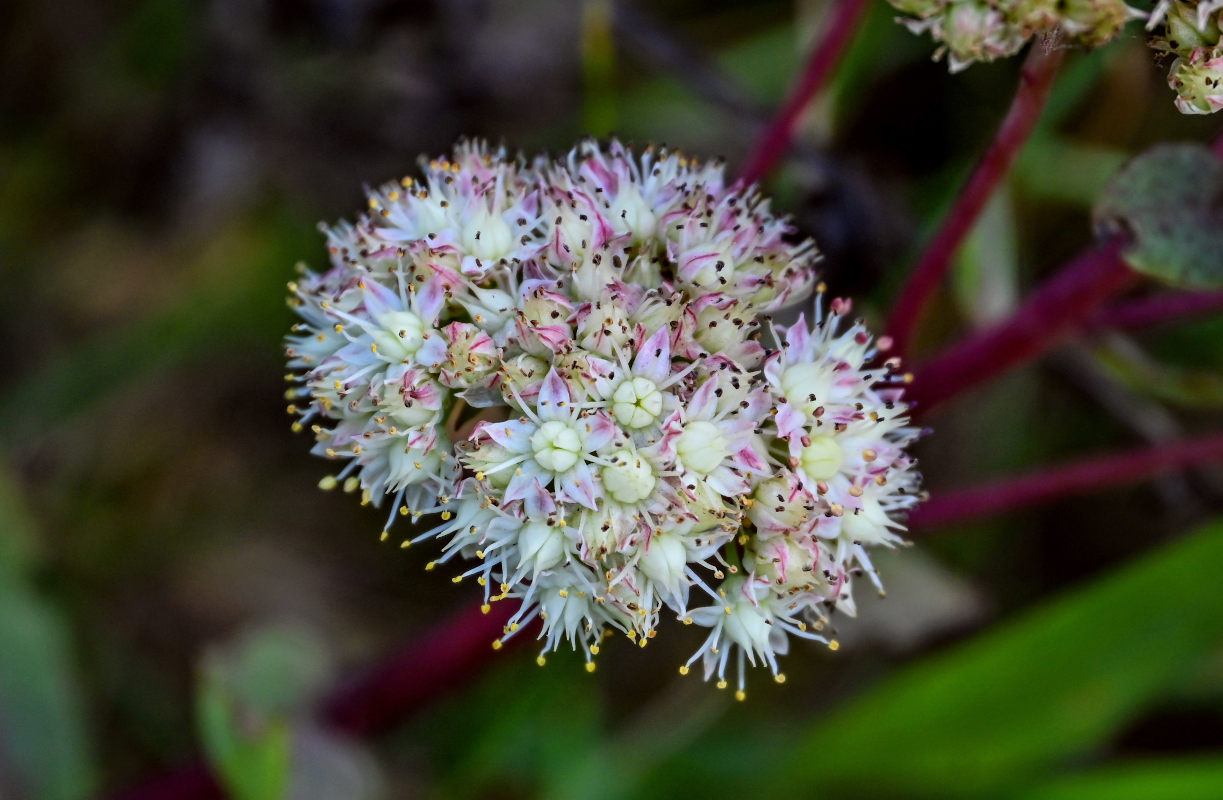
1169, 202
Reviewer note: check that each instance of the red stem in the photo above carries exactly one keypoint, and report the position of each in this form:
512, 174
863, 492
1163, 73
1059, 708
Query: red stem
1035, 81
1051, 483
1157, 310
447, 657
1051, 313
827, 53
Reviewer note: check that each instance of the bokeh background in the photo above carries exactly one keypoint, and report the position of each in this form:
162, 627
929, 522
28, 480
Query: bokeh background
164, 165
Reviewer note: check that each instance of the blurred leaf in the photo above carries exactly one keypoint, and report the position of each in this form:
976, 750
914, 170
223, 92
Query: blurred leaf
43, 742
250, 695
328, 767
1170, 200
1053, 169
250, 758
1182, 779
598, 68
520, 730
272, 671
1009, 705
1170, 383
986, 279
226, 308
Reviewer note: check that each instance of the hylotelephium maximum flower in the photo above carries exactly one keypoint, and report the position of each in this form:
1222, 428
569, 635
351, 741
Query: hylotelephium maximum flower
569, 367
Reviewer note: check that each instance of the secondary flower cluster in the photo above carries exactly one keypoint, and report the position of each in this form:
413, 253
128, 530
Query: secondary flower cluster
1191, 32
569, 366
984, 30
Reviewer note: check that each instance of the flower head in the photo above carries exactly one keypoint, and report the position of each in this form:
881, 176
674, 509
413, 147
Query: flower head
570, 369
1192, 32
969, 31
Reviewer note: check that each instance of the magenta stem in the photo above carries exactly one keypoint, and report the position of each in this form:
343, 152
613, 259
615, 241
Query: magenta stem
827, 54
1056, 309
1158, 310
1035, 81
1052, 483
449, 657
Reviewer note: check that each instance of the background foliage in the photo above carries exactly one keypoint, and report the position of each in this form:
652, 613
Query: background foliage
168, 571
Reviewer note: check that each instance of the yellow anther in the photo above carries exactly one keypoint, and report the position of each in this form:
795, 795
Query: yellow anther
479, 476
366, 498
540, 660
385, 535
496, 644
834, 645
727, 610
457, 579
721, 684
351, 484
594, 649
296, 427
480, 554
590, 666
644, 641
429, 567
564, 593
405, 544
683, 669
483, 581
403, 511
328, 483
740, 695
780, 677
446, 515
484, 609
687, 620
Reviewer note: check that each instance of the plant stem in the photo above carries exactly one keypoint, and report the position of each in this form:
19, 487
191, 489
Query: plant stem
827, 54
1052, 483
446, 658
1035, 81
1051, 313
1157, 310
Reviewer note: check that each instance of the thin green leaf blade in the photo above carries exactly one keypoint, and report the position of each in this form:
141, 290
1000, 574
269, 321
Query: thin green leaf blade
1008, 706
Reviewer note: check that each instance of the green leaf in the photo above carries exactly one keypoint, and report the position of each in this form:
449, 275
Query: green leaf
43, 742
986, 275
251, 758
1170, 201
250, 696
1188, 779
1187, 388
1008, 706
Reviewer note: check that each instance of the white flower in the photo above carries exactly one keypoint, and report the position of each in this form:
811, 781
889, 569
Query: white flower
563, 366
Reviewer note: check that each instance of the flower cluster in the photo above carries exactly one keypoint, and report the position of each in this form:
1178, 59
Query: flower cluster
984, 30
570, 368
1191, 32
